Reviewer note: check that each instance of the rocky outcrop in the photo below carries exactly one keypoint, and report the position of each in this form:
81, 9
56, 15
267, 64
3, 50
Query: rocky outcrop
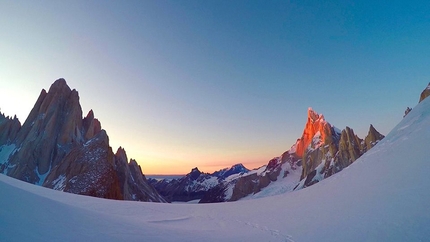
350, 147
132, 182
91, 126
425, 93
372, 138
333, 156
407, 111
9, 128
57, 148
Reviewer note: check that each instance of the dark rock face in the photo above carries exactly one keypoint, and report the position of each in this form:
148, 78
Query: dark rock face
87, 170
52, 129
9, 128
372, 138
59, 149
91, 126
132, 182
407, 111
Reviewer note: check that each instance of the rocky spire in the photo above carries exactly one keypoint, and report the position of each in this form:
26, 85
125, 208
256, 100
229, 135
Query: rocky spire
60, 150
9, 128
132, 182
51, 130
315, 124
372, 138
349, 147
91, 125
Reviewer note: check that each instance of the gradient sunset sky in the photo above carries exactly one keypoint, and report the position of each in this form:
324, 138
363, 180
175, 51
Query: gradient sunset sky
182, 84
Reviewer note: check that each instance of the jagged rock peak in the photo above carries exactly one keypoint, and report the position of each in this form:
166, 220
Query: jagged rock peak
314, 116
315, 124
349, 147
52, 129
133, 162
120, 151
407, 111
237, 166
194, 170
9, 128
425, 93
90, 114
195, 173
60, 85
91, 125
373, 137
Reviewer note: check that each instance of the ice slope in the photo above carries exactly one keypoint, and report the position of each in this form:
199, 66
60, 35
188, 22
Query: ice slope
382, 196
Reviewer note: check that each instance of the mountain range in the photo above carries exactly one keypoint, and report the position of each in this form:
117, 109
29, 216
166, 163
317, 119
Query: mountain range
194, 185
381, 196
320, 152
58, 148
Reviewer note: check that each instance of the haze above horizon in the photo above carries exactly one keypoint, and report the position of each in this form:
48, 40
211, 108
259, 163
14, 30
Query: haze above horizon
208, 84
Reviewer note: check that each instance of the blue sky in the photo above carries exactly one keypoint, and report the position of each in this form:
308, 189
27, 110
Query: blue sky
181, 84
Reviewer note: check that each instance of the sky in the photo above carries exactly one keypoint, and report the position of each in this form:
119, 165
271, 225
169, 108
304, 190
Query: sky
208, 84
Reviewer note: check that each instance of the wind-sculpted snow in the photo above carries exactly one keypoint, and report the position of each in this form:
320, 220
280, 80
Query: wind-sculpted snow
382, 196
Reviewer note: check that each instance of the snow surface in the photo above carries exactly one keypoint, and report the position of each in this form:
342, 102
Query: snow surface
202, 185
382, 196
280, 186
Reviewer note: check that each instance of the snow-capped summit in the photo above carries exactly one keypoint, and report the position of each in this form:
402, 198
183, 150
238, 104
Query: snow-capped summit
226, 172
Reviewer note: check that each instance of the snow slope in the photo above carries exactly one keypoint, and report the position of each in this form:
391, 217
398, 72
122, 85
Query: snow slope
382, 196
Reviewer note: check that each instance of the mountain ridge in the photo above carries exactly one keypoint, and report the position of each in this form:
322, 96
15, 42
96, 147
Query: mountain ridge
320, 152
58, 148
195, 184
382, 196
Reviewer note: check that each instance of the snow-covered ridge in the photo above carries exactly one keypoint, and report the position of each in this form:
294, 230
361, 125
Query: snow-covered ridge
195, 184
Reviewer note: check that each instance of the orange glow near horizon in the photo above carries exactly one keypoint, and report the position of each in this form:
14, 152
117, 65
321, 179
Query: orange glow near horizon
167, 158
159, 166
